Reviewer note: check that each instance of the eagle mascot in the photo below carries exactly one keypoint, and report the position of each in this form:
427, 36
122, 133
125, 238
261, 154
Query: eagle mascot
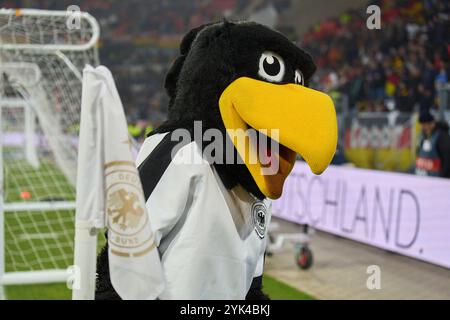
210, 215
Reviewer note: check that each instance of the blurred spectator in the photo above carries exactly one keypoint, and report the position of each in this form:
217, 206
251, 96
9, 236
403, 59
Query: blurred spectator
433, 153
404, 100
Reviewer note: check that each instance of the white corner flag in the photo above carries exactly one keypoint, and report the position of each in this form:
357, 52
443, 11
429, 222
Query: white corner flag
109, 194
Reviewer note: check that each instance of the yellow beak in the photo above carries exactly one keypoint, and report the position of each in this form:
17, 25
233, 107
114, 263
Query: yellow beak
299, 119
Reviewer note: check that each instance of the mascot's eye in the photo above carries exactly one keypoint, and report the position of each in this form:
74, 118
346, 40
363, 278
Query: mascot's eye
271, 67
299, 77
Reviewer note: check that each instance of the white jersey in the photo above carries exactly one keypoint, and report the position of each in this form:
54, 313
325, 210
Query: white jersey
211, 240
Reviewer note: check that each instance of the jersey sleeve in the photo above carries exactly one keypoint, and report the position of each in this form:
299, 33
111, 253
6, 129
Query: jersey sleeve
170, 176
443, 145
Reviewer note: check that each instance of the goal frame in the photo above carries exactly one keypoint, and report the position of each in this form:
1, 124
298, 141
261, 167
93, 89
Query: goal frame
41, 276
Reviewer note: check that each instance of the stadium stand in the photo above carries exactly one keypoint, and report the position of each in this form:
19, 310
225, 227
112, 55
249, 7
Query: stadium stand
139, 45
397, 67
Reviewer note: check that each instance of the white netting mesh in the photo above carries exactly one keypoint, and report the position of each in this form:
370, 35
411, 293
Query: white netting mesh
40, 239
47, 30
41, 62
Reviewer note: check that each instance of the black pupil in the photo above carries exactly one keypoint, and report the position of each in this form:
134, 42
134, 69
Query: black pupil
272, 69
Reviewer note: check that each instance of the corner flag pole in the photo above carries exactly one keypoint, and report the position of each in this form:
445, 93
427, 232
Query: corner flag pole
90, 191
83, 272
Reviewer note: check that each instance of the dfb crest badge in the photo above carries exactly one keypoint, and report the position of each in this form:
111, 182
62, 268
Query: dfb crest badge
129, 232
259, 213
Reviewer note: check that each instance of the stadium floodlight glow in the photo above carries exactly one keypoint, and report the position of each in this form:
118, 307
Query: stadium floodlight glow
41, 62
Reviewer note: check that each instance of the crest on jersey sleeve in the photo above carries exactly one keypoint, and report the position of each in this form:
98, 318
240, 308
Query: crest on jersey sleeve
127, 218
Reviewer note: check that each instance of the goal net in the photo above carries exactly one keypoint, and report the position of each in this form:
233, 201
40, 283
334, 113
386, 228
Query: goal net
42, 54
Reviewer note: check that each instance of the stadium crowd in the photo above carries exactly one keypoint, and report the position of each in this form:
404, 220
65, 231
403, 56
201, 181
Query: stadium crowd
139, 41
399, 66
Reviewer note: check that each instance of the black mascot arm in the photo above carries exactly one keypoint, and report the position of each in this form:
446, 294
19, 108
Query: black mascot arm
255, 292
104, 289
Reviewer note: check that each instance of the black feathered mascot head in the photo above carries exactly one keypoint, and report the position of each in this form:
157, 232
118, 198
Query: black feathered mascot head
240, 76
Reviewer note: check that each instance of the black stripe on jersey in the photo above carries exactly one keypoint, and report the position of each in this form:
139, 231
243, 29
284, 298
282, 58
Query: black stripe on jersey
153, 167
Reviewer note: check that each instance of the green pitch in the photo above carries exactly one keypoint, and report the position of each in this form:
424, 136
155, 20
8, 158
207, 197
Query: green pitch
37, 240
274, 288
278, 290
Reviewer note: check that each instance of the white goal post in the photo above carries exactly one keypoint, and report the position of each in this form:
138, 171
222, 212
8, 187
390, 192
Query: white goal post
41, 62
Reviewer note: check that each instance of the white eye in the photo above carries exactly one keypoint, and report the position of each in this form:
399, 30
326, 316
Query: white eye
299, 77
271, 67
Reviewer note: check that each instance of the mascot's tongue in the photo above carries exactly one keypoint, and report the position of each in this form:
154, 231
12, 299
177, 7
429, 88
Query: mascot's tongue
264, 145
269, 153
273, 153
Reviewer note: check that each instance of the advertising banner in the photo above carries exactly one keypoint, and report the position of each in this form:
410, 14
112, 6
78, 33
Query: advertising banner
379, 141
403, 213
